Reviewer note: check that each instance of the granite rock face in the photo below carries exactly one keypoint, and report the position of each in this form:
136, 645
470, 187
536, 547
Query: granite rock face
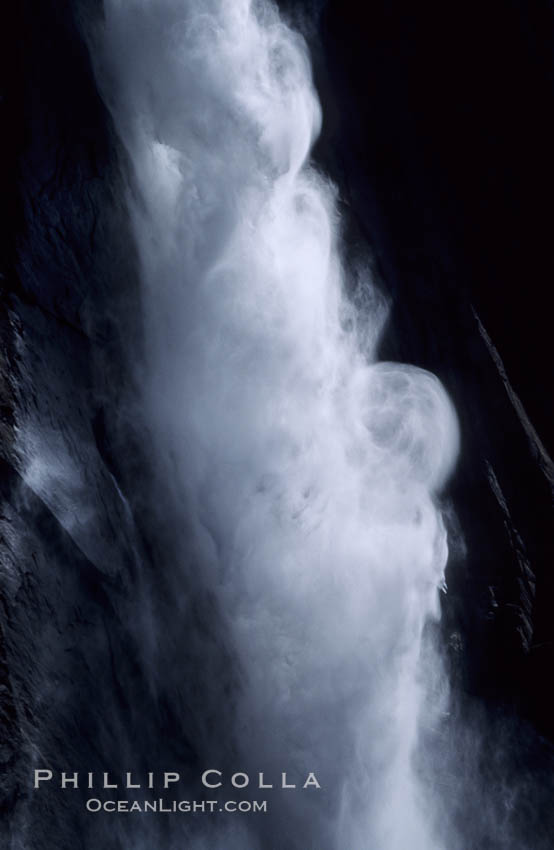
87, 667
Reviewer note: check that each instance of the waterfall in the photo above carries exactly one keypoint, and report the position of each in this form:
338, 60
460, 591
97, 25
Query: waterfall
303, 471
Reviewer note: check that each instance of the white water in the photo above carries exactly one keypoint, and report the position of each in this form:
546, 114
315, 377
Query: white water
306, 470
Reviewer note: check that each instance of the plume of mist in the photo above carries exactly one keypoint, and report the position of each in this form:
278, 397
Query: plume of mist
305, 470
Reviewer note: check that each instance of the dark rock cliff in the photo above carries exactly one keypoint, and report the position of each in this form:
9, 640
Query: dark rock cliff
83, 614
438, 132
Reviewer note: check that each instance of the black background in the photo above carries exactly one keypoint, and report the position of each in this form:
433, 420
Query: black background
438, 129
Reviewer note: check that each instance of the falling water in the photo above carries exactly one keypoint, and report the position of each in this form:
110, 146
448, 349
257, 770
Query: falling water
305, 471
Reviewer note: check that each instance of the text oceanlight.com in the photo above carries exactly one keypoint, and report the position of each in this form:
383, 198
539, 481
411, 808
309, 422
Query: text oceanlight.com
174, 806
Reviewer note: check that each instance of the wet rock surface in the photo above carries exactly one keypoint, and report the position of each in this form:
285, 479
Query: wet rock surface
84, 611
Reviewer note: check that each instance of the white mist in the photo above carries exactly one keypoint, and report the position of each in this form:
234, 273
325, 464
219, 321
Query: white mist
306, 470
